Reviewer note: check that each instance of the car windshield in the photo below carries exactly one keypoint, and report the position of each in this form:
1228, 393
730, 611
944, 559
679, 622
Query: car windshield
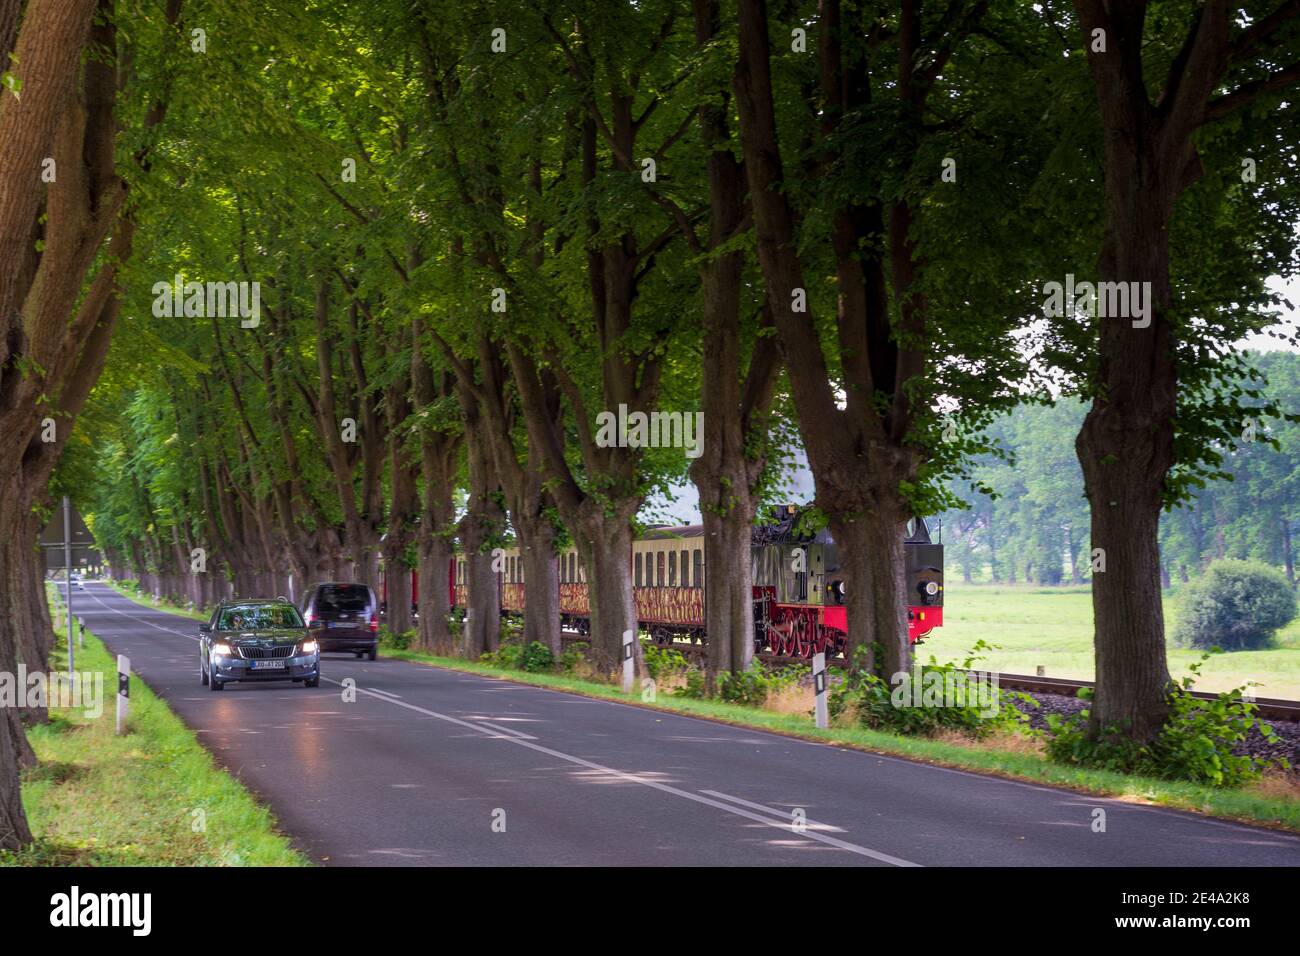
259, 617
343, 597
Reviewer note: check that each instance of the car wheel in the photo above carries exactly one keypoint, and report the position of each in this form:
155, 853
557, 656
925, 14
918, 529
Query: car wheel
203, 674
374, 653
359, 654
312, 681
213, 683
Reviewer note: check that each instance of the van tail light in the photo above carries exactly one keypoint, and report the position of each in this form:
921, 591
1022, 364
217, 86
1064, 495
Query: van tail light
374, 624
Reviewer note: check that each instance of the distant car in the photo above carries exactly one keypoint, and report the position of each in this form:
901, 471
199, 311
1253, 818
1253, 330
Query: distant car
76, 579
343, 618
257, 641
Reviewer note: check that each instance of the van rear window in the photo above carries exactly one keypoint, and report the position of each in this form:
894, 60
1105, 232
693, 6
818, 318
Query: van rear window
343, 597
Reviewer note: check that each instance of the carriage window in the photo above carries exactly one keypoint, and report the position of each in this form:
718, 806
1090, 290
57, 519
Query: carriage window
573, 567
514, 568
636, 579
686, 569
672, 569
699, 568
659, 568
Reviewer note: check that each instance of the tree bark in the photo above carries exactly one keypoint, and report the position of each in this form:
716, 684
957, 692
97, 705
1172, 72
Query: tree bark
482, 526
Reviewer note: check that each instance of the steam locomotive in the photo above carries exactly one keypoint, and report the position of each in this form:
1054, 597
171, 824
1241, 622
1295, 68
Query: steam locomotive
799, 586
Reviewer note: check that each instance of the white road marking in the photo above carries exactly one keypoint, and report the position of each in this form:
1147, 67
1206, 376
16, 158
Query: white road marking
780, 814
653, 784
138, 620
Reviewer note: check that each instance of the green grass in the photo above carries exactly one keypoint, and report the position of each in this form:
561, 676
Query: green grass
1053, 627
97, 799
149, 601
1261, 806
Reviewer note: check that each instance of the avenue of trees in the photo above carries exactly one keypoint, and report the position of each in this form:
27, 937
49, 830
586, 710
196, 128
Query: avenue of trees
477, 227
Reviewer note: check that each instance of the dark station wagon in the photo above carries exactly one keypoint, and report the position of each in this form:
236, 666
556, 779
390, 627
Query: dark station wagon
343, 618
257, 641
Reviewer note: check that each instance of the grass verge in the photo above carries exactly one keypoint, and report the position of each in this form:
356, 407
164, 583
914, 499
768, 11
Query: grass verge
149, 601
154, 797
1266, 804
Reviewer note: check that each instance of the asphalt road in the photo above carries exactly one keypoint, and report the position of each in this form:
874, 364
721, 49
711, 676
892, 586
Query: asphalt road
434, 767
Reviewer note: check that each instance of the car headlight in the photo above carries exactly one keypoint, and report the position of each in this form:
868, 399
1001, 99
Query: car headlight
221, 650
310, 647
931, 588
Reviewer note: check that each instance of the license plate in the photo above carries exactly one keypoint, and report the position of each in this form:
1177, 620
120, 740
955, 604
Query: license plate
342, 624
268, 665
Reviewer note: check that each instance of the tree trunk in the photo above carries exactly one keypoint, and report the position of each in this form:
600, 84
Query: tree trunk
871, 553
729, 588
482, 631
1129, 633
435, 605
605, 546
481, 528
542, 574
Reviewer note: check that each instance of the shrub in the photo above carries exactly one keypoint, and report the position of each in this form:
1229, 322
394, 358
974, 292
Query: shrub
573, 657
664, 662
1236, 605
536, 658
399, 642
1195, 744
507, 655
904, 704
750, 688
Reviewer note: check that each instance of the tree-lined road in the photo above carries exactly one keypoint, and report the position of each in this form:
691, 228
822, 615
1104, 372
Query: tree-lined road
418, 768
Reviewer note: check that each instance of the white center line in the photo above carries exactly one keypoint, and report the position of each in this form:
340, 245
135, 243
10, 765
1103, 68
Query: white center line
653, 784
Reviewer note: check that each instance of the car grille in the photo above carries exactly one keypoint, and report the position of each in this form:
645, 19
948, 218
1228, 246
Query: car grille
265, 653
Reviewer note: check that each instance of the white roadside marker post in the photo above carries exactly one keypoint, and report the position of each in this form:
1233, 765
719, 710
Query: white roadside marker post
819, 690
628, 661
67, 578
123, 691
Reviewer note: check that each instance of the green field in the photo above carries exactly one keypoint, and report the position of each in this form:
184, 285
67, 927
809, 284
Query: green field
1053, 627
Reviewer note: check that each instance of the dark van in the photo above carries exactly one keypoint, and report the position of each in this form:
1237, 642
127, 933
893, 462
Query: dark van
343, 618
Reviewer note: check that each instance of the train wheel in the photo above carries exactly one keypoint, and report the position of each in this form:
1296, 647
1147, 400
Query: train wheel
803, 640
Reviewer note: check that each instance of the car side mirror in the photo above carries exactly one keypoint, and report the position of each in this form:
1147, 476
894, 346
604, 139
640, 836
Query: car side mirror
204, 628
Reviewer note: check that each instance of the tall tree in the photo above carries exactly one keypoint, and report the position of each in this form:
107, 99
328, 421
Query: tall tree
1137, 429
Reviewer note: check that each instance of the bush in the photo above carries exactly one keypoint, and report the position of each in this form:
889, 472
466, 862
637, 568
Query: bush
664, 662
1236, 606
573, 657
1195, 744
905, 705
536, 658
507, 655
398, 642
751, 688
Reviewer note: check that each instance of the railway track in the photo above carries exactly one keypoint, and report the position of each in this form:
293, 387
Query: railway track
1270, 708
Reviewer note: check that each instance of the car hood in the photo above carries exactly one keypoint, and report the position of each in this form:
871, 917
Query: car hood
281, 636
